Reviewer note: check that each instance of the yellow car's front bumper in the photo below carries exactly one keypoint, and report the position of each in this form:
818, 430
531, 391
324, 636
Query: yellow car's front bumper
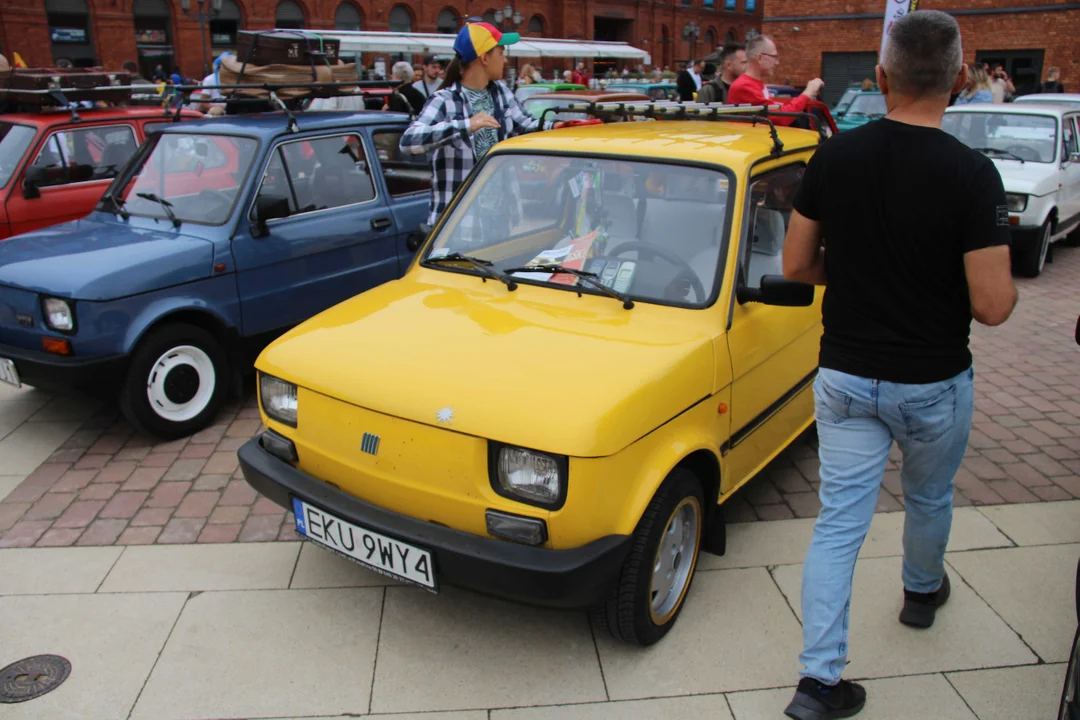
576, 578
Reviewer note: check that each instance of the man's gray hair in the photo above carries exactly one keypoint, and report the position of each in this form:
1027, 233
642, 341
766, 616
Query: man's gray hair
923, 54
757, 45
402, 71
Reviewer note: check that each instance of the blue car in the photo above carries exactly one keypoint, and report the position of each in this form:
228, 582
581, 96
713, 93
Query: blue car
214, 239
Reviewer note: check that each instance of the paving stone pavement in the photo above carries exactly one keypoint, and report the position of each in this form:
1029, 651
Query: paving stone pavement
288, 630
107, 485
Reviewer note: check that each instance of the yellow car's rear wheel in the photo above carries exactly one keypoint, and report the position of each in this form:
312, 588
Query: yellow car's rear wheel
659, 568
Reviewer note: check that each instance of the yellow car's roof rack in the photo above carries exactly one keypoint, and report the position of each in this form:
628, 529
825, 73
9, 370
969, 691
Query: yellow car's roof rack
674, 110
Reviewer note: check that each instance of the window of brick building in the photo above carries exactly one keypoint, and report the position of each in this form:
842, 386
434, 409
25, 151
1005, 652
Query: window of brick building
289, 15
224, 26
347, 17
153, 35
69, 31
447, 22
536, 25
400, 19
751, 5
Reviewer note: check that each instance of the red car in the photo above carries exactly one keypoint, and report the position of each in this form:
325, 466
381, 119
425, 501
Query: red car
54, 168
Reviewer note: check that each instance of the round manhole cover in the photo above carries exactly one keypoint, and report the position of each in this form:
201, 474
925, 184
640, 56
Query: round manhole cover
32, 677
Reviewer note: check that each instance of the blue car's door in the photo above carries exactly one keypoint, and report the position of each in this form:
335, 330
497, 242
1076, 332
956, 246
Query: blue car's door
406, 181
332, 235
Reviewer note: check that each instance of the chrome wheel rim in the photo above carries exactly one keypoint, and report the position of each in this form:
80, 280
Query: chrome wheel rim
181, 383
676, 556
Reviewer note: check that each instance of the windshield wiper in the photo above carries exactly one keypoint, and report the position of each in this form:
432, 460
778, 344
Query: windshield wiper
999, 151
589, 277
483, 266
118, 205
165, 204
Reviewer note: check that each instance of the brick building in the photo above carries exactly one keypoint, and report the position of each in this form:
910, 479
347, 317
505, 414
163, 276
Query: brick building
839, 40
108, 32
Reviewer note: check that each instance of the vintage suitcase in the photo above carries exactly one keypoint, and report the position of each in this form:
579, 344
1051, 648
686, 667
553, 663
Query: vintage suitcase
77, 84
235, 72
285, 47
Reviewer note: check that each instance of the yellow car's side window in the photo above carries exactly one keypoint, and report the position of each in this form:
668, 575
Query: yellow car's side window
769, 213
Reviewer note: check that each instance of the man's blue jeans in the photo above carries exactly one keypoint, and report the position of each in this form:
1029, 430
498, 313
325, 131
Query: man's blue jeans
857, 421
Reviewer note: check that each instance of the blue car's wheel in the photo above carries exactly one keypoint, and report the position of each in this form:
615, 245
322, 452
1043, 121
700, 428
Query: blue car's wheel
177, 381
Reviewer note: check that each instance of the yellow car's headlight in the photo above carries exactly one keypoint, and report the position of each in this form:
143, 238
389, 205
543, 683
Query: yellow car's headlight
528, 476
279, 399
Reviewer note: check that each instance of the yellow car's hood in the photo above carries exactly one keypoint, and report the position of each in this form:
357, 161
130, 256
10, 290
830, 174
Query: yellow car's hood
539, 367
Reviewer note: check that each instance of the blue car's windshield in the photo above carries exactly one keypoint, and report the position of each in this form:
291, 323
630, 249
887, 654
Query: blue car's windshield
198, 175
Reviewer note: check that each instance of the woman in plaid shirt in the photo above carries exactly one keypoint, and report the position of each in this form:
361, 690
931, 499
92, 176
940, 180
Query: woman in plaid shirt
473, 111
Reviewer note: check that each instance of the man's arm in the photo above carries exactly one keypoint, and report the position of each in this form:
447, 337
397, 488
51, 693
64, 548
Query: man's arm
985, 244
990, 284
804, 254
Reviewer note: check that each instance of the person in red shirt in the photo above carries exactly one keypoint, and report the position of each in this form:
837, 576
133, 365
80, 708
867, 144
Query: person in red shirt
761, 63
580, 75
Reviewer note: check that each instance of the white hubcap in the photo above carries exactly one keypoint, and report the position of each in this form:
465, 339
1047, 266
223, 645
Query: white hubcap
181, 383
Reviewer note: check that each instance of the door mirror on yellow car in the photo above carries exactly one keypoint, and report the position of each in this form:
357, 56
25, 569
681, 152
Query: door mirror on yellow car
775, 290
417, 237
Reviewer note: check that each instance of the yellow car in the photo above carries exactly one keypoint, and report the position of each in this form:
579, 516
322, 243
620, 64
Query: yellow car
555, 401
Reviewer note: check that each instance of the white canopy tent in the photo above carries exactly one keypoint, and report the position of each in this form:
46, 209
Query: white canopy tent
353, 42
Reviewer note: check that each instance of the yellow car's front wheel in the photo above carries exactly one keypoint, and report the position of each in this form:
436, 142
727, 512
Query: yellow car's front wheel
656, 575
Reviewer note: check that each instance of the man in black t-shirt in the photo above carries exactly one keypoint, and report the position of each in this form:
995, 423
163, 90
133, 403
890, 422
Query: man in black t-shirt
907, 229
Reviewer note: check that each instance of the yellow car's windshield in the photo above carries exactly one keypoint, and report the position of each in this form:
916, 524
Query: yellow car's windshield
652, 231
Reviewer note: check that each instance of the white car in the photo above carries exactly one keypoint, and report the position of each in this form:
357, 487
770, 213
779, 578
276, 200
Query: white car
1035, 148
1070, 99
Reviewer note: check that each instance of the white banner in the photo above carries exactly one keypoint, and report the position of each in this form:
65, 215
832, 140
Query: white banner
894, 10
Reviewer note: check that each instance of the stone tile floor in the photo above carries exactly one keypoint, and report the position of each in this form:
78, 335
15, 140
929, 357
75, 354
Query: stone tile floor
106, 485
287, 630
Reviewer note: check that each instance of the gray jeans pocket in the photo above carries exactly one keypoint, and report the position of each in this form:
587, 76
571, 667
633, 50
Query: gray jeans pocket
928, 420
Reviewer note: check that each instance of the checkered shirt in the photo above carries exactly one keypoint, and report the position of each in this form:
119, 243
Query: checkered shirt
443, 127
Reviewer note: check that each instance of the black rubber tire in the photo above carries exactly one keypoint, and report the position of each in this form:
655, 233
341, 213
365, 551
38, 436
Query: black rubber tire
133, 400
626, 613
1027, 259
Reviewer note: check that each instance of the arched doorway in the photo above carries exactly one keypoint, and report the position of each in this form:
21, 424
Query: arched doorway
401, 19
489, 17
710, 41
69, 31
289, 15
224, 26
447, 22
665, 45
536, 26
153, 36
731, 35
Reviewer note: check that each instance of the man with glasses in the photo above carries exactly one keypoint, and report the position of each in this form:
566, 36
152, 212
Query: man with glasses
750, 88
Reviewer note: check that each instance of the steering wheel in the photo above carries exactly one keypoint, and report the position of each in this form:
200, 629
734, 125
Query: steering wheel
648, 248
1028, 153
216, 197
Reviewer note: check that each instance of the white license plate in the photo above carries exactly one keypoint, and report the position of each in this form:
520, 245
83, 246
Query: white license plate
8, 373
371, 549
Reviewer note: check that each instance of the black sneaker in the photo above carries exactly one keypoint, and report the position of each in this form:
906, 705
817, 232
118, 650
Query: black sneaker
920, 608
816, 701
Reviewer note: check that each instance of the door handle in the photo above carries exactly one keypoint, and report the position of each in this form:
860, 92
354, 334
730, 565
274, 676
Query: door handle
380, 223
